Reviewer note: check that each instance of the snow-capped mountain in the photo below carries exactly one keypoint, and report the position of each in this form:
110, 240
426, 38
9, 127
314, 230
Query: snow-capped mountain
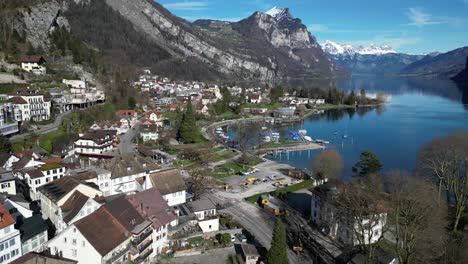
279, 13
334, 48
368, 59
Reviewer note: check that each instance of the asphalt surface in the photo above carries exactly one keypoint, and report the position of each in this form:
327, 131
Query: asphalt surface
127, 140
45, 128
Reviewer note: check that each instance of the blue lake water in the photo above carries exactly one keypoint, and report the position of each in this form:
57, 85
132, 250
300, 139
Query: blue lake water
418, 111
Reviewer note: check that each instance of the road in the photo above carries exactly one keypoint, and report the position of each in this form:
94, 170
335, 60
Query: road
127, 144
256, 221
45, 128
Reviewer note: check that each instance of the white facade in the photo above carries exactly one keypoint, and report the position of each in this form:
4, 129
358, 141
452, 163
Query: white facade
73, 245
324, 213
176, 198
36, 108
88, 146
8, 187
149, 136
51, 210
75, 83
47, 176
38, 243
10, 243
34, 67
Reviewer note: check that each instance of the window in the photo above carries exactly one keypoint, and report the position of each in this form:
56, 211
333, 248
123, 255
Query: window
5, 185
74, 230
48, 172
38, 181
54, 171
65, 240
74, 252
12, 242
74, 242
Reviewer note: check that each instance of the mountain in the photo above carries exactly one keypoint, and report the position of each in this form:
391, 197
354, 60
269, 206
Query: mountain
275, 39
462, 77
368, 59
444, 65
269, 47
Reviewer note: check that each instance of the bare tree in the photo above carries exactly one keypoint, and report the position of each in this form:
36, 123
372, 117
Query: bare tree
248, 136
418, 223
328, 164
361, 210
199, 183
445, 160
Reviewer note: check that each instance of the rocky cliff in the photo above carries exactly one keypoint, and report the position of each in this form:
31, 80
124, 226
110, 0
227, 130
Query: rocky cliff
263, 47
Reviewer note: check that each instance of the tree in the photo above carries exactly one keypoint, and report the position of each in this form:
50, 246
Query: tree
328, 164
417, 220
275, 94
188, 131
277, 254
362, 96
351, 100
301, 110
248, 135
5, 144
131, 103
445, 161
360, 209
368, 163
224, 239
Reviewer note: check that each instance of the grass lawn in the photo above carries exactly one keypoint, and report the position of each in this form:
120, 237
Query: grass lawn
273, 106
277, 192
228, 169
222, 155
46, 140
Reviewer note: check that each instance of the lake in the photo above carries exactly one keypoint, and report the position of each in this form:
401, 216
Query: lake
418, 111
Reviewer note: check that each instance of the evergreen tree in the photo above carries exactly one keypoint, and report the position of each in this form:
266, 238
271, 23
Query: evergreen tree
5, 145
368, 163
278, 250
131, 103
188, 131
275, 94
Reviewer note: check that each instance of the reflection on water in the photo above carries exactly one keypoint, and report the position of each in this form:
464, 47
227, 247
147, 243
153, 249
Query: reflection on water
419, 111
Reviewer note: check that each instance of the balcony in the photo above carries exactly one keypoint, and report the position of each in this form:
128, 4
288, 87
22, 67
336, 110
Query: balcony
145, 246
8, 129
137, 240
144, 256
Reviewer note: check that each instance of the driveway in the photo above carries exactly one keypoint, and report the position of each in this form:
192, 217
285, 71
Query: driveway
45, 128
127, 144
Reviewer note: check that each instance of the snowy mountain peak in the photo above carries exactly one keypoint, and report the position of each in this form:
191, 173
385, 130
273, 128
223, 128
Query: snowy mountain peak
279, 13
334, 48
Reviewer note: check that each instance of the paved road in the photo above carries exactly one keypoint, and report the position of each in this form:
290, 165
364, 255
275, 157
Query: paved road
45, 128
127, 140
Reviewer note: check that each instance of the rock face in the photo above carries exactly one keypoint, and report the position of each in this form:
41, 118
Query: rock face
444, 65
264, 47
369, 60
278, 41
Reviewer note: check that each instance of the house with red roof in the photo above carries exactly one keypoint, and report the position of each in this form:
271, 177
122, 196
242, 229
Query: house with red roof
10, 239
34, 64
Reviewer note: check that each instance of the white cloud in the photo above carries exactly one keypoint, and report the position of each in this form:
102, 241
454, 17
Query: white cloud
187, 5
419, 18
319, 28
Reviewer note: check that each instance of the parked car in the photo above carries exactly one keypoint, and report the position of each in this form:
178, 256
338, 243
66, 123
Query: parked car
233, 238
242, 238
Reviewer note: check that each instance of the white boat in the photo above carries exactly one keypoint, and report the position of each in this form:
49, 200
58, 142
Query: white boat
264, 128
219, 129
266, 139
321, 141
307, 138
302, 132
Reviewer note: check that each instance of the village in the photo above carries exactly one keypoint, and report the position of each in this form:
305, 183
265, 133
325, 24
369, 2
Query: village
127, 189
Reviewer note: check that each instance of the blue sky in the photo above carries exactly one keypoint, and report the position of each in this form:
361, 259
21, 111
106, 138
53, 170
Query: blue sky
412, 26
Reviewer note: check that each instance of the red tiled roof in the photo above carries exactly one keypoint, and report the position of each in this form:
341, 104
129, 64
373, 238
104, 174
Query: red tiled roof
17, 100
151, 205
7, 219
73, 205
32, 58
102, 230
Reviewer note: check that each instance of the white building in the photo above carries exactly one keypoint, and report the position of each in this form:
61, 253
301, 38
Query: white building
10, 241
33, 234
34, 64
7, 182
95, 143
66, 200
127, 174
30, 105
170, 184
324, 215
148, 132
8, 119
7, 160
42, 175
205, 212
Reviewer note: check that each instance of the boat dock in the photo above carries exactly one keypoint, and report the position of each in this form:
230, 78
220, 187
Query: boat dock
299, 147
